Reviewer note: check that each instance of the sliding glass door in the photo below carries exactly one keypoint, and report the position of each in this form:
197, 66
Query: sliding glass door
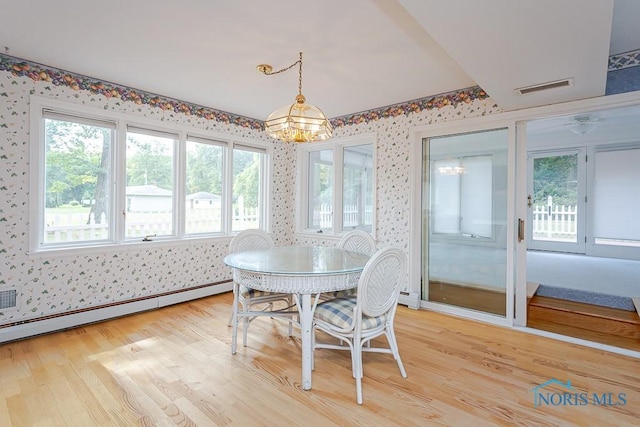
465, 220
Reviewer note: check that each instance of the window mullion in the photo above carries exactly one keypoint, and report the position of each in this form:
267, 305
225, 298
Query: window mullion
119, 183
262, 195
338, 194
180, 185
227, 210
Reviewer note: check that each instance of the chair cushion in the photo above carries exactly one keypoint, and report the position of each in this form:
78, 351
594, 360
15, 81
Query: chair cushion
339, 312
341, 294
248, 293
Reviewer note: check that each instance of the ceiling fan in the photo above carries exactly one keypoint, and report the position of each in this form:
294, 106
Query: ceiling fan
620, 120
578, 124
581, 125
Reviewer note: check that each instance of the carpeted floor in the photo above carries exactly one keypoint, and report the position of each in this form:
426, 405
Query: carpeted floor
608, 276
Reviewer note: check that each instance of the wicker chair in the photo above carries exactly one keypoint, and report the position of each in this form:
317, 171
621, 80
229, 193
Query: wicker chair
356, 241
356, 320
246, 297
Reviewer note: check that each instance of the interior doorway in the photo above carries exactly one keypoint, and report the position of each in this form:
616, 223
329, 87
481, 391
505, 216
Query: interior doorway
582, 198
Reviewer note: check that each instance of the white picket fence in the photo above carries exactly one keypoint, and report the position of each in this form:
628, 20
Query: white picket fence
73, 227
323, 217
557, 222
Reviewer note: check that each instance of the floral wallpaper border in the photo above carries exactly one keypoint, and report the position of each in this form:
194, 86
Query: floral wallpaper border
624, 60
38, 72
455, 98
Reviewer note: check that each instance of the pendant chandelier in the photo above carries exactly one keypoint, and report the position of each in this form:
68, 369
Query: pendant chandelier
297, 122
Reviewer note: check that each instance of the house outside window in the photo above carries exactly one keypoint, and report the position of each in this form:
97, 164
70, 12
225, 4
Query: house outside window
150, 181
204, 190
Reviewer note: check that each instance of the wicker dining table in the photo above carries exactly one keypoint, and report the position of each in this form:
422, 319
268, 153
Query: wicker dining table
303, 271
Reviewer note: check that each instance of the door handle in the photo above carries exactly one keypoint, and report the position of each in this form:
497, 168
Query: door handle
520, 230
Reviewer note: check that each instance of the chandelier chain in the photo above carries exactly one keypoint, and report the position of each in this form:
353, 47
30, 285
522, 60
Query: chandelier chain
297, 122
300, 75
298, 62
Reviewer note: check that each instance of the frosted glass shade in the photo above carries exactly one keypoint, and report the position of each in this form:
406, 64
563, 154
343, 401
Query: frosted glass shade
298, 122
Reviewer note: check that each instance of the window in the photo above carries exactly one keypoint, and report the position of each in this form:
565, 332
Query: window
77, 176
203, 196
462, 194
248, 183
615, 199
348, 188
107, 179
321, 189
357, 187
467, 186
149, 192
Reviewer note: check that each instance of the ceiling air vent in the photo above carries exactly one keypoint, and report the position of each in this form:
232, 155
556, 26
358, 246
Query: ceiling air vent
544, 86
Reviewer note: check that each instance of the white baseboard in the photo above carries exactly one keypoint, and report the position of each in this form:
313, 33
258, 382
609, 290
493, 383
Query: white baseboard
411, 300
47, 325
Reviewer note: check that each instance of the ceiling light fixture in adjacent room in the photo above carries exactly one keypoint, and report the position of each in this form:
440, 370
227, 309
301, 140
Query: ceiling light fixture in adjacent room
583, 125
297, 122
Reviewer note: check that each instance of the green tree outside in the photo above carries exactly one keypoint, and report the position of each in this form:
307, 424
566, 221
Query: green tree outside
555, 176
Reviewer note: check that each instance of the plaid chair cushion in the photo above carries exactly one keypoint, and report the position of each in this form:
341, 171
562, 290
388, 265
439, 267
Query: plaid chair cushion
341, 294
339, 312
253, 293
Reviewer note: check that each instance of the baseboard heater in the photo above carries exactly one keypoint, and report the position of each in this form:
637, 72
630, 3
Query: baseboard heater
57, 322
410, 299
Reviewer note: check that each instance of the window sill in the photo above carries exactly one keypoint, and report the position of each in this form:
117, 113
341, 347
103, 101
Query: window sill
314, 233
127, 246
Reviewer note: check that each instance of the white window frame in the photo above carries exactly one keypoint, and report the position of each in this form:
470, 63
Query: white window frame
190, 137
337, 145
118, 176
177, 189
264, 185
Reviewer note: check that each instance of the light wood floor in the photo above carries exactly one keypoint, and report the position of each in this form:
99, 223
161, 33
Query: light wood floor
174, 367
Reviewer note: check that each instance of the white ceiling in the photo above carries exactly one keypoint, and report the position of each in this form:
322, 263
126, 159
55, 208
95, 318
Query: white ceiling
358, 54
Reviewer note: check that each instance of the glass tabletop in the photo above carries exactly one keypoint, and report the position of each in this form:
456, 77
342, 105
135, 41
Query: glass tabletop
298, 260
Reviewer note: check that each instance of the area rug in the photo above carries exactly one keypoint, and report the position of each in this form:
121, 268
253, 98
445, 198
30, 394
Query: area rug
586, 297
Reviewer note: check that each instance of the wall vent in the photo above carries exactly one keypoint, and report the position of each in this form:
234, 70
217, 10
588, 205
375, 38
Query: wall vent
8, 299
544, 86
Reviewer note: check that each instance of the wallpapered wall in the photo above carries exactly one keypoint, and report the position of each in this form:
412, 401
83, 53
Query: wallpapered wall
393, 149
52, 284
55, 284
